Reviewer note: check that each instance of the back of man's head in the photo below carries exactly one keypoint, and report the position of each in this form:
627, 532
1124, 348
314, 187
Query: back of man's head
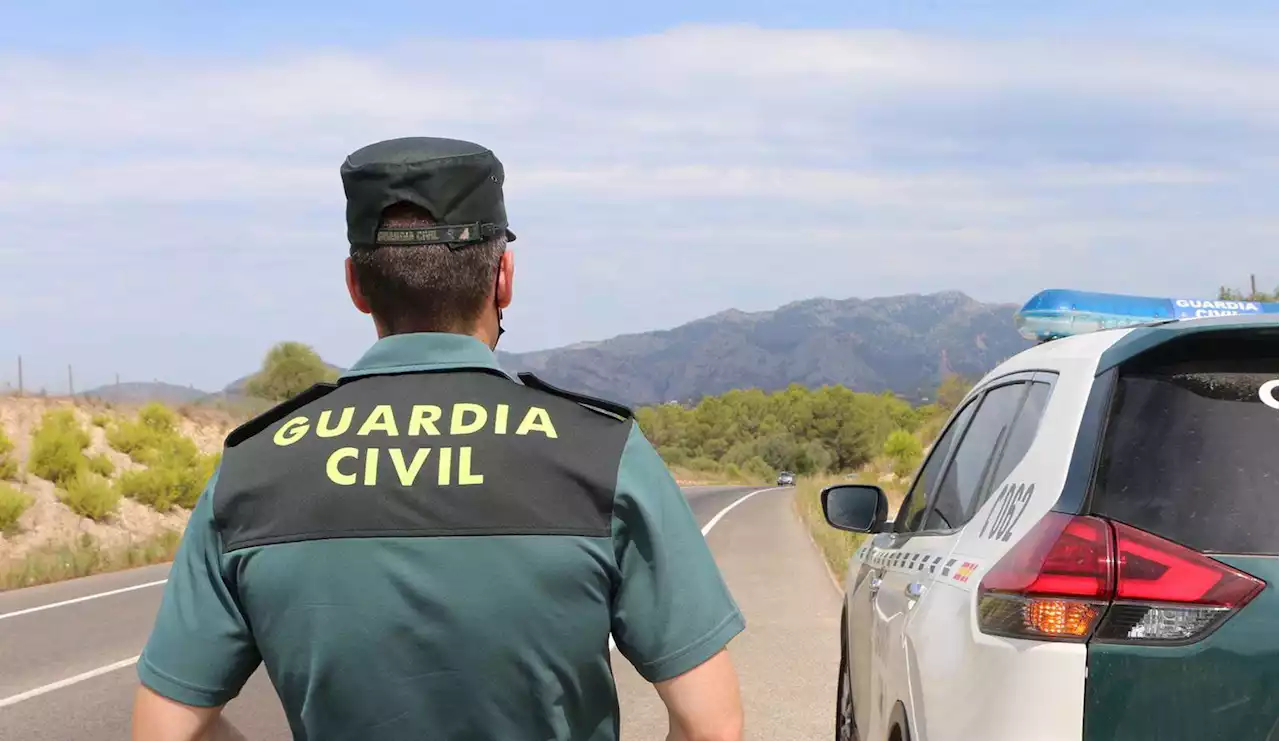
427, 288
427, 225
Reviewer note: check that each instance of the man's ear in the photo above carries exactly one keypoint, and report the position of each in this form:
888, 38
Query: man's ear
506, 276
353, 287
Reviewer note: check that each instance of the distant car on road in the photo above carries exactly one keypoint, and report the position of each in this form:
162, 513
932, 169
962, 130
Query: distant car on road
1089, 551
786, 478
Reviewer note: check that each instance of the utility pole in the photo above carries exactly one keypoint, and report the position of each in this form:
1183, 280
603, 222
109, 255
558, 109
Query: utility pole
1253, 286
71, 384
20, 391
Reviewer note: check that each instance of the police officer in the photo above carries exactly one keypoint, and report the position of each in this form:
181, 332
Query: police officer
429, 548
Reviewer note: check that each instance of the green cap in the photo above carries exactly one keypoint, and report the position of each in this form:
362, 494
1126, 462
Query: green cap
458, 182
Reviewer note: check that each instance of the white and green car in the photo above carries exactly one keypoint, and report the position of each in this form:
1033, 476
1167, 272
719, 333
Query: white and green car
1089, 552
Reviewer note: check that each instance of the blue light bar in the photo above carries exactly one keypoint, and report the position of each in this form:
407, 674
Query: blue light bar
1057, 312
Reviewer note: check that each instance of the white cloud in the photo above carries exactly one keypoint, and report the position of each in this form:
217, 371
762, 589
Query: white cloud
736, 165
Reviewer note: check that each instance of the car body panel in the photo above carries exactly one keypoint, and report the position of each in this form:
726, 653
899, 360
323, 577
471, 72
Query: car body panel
1225, 683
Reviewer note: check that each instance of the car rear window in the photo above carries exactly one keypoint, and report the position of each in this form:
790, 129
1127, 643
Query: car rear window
1190, 449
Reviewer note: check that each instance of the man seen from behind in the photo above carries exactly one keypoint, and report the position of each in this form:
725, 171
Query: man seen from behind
428, 548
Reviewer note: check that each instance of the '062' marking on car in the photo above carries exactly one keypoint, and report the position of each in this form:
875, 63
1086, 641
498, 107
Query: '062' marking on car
1011, 503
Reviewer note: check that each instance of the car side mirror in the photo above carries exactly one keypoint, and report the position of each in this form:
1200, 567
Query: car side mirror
857, 508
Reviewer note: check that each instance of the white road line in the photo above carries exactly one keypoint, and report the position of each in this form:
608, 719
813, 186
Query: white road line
710, 524
15, 699
86, 598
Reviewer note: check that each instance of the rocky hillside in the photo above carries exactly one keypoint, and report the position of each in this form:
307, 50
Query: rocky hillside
47, 520
904, 344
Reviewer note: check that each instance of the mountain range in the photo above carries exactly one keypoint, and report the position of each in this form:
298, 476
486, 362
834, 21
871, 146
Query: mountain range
902, 344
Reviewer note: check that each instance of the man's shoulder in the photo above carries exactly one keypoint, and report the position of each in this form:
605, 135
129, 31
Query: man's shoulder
277, 413
604, 407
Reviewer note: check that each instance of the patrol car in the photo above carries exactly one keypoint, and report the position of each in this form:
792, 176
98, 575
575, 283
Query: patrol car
1089, 550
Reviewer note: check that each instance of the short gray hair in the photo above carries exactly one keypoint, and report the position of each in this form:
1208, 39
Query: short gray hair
427, 288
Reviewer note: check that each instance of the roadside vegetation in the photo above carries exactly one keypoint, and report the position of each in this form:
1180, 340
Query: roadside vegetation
288, 369
838, 546
85, 557
12, 504
57, 448
160, 467
8, 462
175, 470
826, 436
752, 435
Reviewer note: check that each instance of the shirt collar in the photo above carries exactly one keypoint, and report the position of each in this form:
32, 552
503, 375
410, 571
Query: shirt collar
424, 351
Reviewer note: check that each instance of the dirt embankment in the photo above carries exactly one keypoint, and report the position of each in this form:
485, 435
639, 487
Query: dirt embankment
49, 522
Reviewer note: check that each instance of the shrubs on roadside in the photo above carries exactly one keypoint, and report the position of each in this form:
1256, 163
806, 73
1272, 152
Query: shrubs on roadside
89, 495
8, 465
904, 451
164, 485
57, 448
176, 471
57, 562
12, 504
101, 465
147, 437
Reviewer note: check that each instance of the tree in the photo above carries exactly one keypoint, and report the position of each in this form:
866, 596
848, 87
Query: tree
952, 390
289, 369
904, 450
1234, 294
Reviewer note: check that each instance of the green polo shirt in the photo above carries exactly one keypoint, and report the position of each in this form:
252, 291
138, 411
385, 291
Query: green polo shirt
406, 570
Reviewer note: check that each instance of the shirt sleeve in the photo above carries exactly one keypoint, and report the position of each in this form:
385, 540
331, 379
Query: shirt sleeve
200, 651
672, 610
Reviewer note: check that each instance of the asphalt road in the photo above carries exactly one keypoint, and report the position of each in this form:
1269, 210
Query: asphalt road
66, 650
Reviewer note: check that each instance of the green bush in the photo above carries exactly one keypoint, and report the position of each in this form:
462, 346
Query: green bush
8, 466
101, 465
57, 448
147, 437
905, 450
288, 369
176, 471
90, 495
165, 485
100, 420
808, 431
12, 504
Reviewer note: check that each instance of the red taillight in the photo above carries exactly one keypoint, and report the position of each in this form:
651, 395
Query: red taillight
1075, 578
1151, 569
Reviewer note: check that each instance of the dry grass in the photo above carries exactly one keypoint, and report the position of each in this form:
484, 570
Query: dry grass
84, 557
690, 477
838, 546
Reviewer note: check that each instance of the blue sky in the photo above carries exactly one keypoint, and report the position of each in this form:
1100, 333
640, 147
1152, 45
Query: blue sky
170, 205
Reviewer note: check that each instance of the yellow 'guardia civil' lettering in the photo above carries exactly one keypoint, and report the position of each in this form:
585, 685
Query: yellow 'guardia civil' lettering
292, 431
479, 415
344, 422
465, 418
537, 419
406, 473
382, 419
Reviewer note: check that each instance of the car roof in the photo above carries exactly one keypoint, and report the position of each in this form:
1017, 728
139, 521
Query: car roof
1107, 348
